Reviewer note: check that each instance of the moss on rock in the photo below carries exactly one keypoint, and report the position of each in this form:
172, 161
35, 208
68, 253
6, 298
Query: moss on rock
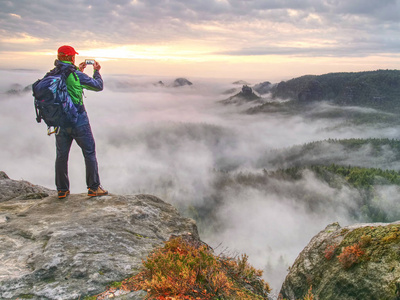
356, 262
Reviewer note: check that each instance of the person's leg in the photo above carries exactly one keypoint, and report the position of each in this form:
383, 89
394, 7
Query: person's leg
84, 138
63, 145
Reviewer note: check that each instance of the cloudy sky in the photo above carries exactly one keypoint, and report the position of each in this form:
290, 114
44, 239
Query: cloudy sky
243, 39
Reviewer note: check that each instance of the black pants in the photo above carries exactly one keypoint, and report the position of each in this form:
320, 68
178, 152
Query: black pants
84, 138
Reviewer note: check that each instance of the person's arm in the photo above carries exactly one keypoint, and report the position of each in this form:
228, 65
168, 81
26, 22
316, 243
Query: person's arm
89, 83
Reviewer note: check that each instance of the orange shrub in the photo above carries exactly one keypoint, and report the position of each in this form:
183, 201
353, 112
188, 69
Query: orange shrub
183, 269
330, 251
350, 255
309, 295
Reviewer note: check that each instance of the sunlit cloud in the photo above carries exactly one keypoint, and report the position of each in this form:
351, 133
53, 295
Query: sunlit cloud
22, 39
180, 51
217, 32
15, 16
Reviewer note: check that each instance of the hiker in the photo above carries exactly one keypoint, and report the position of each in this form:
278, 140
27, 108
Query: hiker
81, 131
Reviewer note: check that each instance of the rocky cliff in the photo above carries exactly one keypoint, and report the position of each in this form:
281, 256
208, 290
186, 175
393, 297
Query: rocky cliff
69, 249
358, 262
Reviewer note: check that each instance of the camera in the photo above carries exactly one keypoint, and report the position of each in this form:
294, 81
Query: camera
89, 61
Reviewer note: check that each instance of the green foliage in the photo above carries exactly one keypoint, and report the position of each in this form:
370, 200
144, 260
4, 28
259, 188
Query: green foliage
326, 152
363, 179
356, 176
371, 204
116, 284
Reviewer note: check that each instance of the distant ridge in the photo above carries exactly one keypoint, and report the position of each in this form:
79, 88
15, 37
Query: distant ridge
379, 88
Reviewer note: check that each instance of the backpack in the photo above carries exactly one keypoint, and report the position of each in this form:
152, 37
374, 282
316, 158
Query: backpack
52, 102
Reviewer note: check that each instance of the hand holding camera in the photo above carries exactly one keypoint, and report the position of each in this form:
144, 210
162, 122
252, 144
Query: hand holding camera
95, 64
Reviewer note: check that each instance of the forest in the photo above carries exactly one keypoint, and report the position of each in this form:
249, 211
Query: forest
378, 89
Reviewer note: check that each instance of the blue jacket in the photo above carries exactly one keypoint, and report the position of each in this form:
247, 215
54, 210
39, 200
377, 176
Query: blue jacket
76, 82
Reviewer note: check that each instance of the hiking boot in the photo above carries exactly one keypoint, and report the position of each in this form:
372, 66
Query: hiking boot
98, 192
62, 194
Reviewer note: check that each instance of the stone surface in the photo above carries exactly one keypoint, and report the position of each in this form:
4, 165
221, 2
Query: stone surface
68, 249
374, 275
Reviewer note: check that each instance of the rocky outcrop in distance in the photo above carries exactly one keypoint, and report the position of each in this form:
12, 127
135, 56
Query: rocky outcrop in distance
159, 83
241, 82
356, 262
246, 95
16, 89
181, 82
72, 248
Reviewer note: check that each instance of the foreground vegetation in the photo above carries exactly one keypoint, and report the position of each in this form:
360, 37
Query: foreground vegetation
186, 269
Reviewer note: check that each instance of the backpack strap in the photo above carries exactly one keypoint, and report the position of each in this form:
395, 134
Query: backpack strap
67, 71
76, 77
38, 115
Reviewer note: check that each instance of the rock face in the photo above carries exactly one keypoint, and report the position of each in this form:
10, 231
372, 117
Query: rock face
68, 249
355, 262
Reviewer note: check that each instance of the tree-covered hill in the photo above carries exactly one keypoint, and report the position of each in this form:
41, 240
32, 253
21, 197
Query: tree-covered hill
355, 179
375, 153
378, 89
366, 189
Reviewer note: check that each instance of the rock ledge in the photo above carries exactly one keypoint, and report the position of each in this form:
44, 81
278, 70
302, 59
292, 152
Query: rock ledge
68, 249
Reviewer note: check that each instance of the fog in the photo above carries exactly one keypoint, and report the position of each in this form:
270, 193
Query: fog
176, 142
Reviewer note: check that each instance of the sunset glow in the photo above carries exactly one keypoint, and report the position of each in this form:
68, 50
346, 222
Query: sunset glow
222, 38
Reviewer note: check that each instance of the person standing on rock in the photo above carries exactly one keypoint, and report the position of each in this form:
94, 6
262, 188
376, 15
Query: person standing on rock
81, 132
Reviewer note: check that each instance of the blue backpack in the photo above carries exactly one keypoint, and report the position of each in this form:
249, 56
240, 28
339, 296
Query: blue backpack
52, 102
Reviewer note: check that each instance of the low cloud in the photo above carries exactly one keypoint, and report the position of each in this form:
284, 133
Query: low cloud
176, 142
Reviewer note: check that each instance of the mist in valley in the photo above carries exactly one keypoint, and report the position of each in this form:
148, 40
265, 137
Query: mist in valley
209, 160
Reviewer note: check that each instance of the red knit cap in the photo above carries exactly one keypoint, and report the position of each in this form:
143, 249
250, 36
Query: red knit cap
67, 50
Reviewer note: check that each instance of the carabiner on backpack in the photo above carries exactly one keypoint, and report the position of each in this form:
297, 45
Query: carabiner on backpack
56, 130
